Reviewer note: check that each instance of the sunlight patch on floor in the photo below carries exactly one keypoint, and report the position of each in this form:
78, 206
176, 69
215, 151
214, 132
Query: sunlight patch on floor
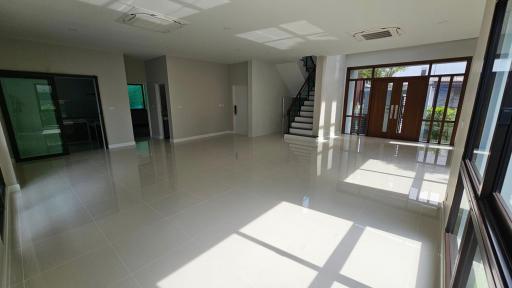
381, 259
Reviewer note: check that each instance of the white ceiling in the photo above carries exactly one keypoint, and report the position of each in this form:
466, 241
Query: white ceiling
218, 29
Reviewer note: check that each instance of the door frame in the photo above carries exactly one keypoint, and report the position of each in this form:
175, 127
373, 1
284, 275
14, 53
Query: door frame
145, 100
348, 79
50, 77
233, 97
159, 105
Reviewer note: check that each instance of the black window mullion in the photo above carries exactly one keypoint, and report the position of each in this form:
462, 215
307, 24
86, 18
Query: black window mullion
434, 103
447, 100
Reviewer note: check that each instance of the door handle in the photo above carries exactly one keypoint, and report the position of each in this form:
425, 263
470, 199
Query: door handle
235, 110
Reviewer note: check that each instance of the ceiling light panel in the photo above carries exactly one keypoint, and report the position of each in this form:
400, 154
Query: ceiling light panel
302, 28
265, 35
286, 43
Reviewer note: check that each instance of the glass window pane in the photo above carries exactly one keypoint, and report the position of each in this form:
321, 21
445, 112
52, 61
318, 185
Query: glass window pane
441, 98
355, 125
136, 96
453, 103
449, 68
429, 102
462, 217
446, 136
348, 124
494, 93
366, 96
477, 277
402, 71
33, 116
350, 97
403, 100
425, 129
361, 73
358, 97
387, 107
506, 189
436, 132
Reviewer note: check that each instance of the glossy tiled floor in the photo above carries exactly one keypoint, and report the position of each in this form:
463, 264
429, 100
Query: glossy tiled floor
234, 212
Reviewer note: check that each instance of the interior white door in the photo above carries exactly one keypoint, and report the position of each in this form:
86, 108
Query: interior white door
240, 110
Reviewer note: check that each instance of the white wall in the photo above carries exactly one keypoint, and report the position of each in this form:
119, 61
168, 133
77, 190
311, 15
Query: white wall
156, 73
266, 92
292, 75
135, 70
239, 74
200, 97
469, 100
108, 66
329, 91
443, 50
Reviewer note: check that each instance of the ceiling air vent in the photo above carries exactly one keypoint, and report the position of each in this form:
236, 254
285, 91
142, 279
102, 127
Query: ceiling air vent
151, 21
378, 33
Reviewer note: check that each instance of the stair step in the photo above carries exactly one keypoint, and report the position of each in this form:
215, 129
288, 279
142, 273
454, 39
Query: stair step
309, 103
306, 113
303, 119
306, 108
311, 98
302, 125
301, 132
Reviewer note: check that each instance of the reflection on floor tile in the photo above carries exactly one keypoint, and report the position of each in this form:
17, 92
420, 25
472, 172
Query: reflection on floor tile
234, 211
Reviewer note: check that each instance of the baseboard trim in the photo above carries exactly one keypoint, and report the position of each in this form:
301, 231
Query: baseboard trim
186, 139
6, 261
121, 145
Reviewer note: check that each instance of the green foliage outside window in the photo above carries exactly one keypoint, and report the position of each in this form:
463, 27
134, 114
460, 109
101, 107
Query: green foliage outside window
438, 114
136, 96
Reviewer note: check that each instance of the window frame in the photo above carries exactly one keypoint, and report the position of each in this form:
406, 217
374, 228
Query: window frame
430, 63
491, 219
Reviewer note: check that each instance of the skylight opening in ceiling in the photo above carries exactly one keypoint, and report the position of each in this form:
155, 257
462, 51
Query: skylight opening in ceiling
296, 32
174, 9
285, 44
265, 35
302, 28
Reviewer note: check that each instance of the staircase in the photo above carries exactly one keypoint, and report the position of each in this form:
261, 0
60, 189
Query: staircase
300, 113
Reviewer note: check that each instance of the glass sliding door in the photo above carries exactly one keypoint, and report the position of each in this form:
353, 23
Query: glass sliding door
29, 107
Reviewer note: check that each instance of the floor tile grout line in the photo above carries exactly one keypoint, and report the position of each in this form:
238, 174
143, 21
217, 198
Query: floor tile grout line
109, 242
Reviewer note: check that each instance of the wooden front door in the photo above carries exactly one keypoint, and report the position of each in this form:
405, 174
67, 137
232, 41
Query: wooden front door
396, 107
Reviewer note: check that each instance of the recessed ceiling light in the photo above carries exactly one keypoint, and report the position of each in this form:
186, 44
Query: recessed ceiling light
265, 35
285, 43
302, 28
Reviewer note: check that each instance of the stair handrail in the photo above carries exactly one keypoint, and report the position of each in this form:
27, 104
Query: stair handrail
307, 86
